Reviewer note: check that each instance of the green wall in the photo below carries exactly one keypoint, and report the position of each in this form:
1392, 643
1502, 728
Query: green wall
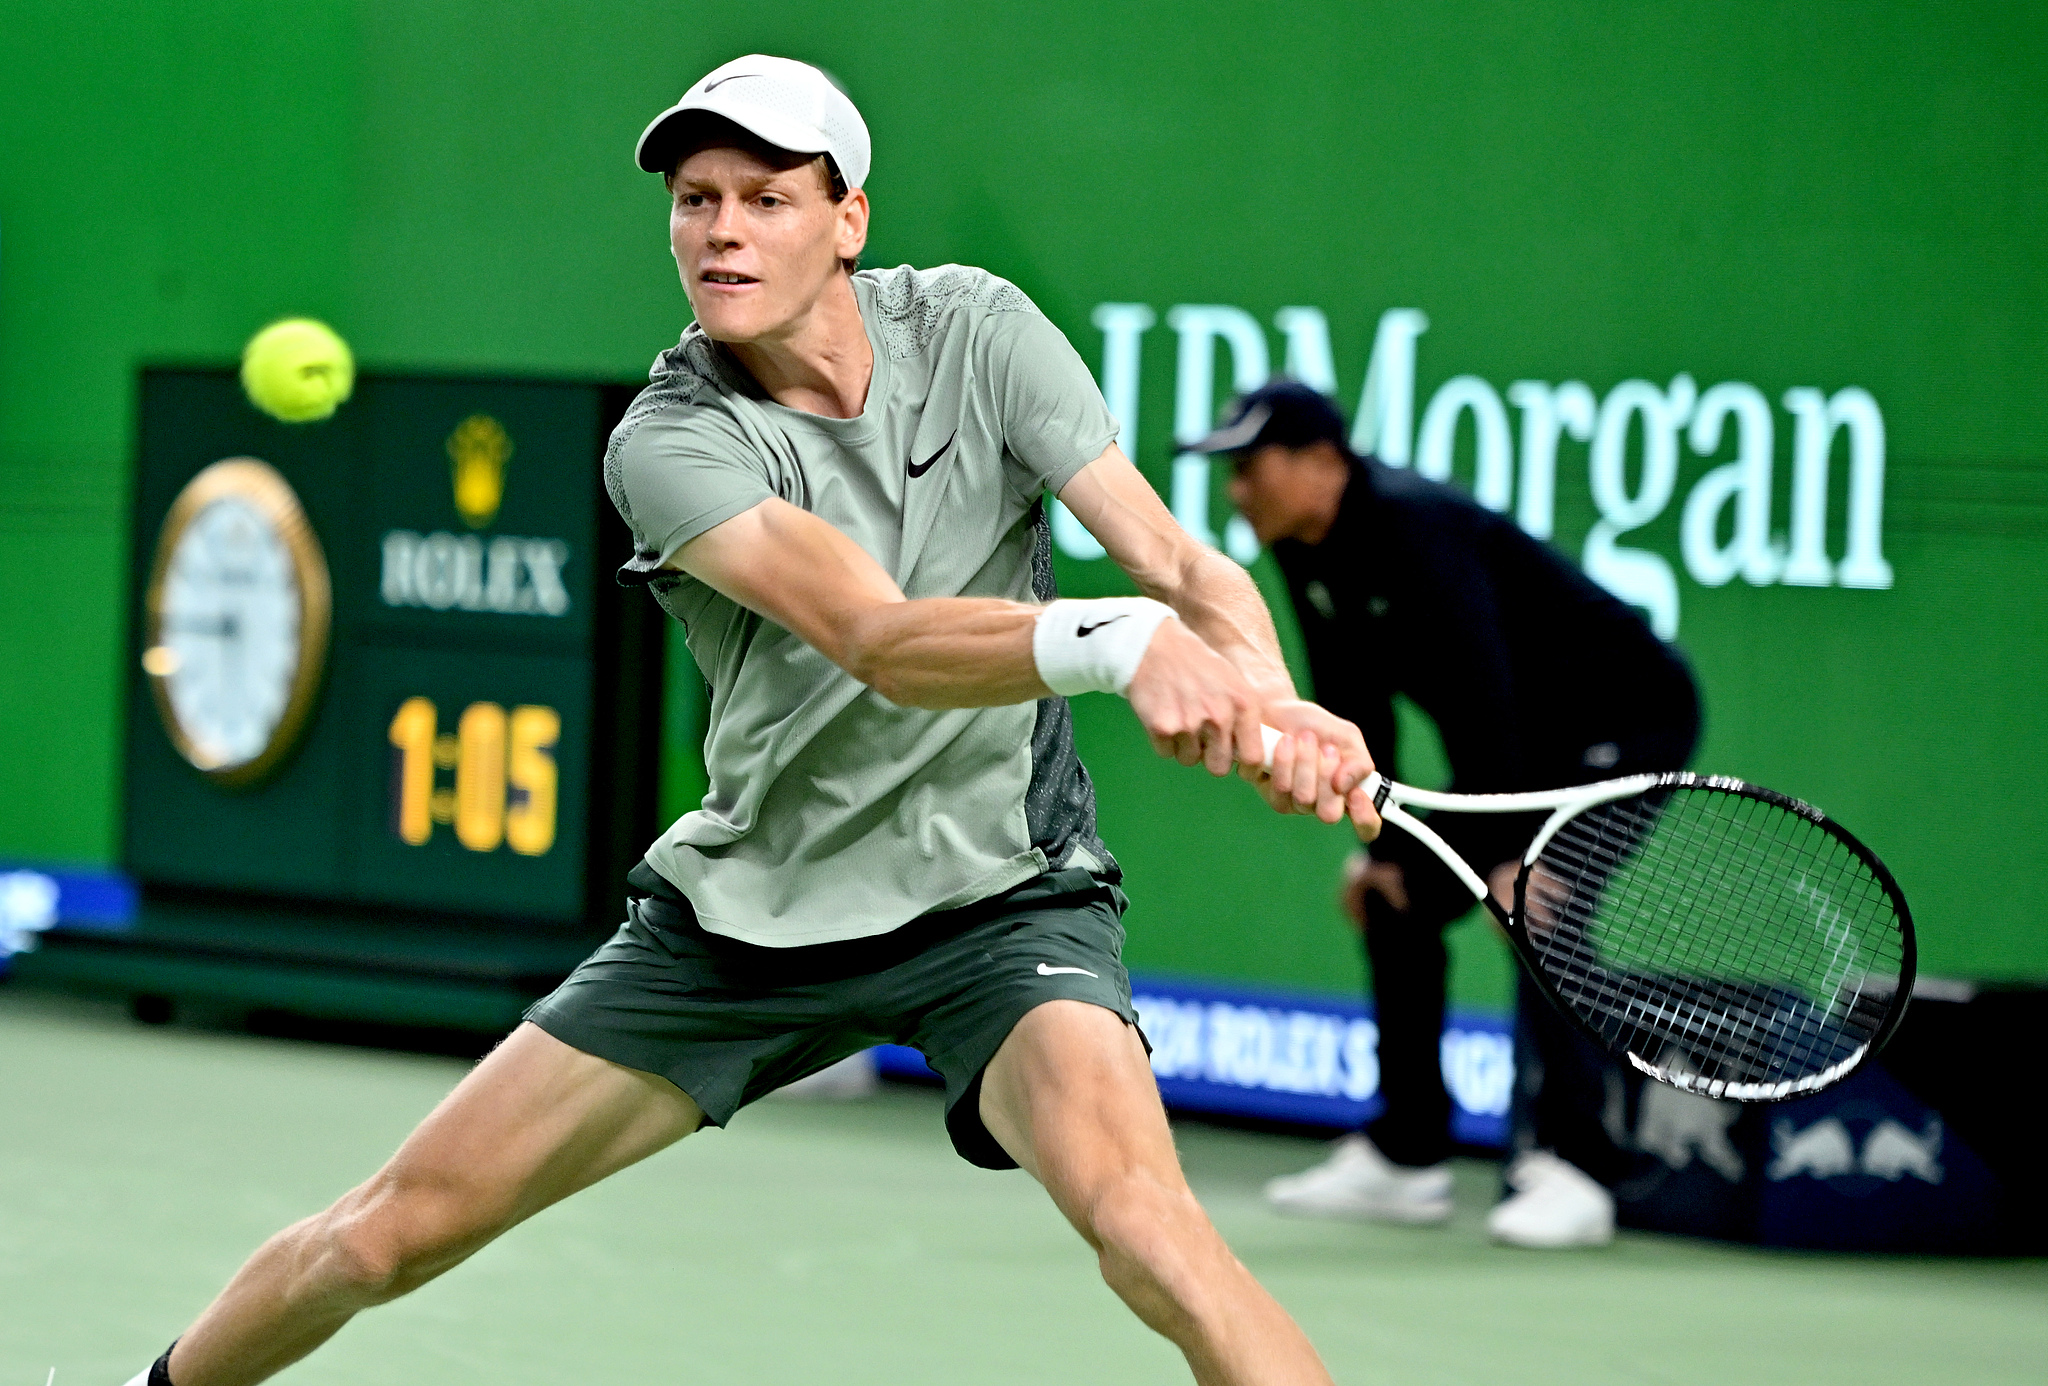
1783, 195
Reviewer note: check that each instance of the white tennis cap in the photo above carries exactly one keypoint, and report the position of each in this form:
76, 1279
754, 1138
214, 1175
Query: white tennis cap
789, 104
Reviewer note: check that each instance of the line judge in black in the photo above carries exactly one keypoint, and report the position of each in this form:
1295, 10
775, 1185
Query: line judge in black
1536, 677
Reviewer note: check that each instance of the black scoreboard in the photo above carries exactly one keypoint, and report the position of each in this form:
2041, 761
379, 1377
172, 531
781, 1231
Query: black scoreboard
389, 717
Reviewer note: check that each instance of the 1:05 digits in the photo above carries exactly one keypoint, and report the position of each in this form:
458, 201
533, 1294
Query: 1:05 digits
504, 768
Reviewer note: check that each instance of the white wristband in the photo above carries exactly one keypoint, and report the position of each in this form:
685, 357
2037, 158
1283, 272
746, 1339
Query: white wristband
1094, 646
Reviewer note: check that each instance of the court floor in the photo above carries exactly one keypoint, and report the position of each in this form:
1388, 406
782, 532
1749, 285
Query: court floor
844, 1243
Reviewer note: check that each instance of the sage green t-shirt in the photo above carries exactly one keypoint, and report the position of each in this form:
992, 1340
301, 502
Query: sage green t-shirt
832, 813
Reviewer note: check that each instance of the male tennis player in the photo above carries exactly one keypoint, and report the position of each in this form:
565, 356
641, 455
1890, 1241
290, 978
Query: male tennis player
1536, 678
834, 481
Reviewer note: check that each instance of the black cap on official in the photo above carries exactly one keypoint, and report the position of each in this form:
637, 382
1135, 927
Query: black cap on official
1285, 412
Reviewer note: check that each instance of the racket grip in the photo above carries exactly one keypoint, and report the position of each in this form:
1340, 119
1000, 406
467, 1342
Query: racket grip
1372, 784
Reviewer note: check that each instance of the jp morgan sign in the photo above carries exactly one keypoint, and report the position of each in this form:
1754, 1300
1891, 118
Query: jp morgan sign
1634, 435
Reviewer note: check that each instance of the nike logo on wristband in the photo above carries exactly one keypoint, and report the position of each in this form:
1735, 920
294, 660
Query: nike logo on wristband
1090, 630
917, 471
1045, 971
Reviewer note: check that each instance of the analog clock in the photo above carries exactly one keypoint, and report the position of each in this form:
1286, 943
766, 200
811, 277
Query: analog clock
235, 620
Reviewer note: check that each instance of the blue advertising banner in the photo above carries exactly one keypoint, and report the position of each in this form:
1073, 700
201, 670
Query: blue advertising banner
1293, 1056
33, 899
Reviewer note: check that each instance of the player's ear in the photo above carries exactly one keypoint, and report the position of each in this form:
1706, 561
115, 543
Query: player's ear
852, 235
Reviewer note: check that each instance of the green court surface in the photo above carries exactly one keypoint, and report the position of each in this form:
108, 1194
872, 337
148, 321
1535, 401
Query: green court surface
844, 1243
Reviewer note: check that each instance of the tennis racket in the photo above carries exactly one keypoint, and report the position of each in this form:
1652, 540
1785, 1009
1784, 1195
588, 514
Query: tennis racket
1721, 938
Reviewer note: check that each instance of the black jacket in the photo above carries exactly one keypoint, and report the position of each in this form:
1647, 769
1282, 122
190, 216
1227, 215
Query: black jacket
1534, 674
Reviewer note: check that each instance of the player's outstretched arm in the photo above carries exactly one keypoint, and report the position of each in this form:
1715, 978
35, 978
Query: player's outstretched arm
800, 572
811, 579
1319, 766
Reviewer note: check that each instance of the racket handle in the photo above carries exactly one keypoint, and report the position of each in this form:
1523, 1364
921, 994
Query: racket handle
1371, 784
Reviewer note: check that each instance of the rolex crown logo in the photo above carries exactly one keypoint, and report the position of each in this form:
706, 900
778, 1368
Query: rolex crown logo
479, 448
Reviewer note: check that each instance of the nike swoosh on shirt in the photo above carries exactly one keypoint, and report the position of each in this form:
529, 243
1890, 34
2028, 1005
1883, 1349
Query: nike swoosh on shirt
1090, 630
917, 471
1045, 971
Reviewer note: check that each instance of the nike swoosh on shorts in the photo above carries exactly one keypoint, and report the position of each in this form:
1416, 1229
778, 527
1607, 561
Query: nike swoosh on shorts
1045, 971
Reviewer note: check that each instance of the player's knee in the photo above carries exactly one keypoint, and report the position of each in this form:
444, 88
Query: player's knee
355, 1254
1157, 1249
394, 1235
1140, 1217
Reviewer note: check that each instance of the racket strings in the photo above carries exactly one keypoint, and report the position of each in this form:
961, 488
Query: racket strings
1723, 938
1689, 1022
1627, 998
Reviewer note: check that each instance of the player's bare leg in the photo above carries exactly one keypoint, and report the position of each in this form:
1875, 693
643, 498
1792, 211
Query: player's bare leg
1070, 1096
530, 1125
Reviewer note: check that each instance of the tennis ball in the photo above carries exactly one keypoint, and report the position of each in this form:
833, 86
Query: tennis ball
297, 370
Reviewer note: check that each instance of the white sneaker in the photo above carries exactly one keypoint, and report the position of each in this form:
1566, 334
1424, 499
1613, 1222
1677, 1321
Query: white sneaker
1555, 1204
1359, 1182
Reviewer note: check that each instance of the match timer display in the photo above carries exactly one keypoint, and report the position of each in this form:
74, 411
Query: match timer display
382, 668
504, 790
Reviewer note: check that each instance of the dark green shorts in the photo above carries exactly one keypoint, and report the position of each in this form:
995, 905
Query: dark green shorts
729, 1022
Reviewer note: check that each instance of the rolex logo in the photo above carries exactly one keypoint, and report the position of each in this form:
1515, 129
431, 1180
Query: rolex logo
479, 448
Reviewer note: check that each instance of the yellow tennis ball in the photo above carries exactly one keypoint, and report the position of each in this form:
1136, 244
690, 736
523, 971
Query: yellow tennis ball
297, 370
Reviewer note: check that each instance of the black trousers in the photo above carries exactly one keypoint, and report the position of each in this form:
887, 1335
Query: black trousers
1563, 1081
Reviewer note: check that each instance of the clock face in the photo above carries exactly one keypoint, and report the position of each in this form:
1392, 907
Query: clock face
237, 615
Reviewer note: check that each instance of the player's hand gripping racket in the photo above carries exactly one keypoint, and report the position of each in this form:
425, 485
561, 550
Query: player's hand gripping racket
1721, 938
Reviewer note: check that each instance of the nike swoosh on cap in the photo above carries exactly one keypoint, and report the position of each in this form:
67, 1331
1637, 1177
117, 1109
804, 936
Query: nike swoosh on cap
1045, 971
727, 78
917, 471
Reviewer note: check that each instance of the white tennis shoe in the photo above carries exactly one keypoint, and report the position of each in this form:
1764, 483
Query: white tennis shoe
1555, 1204
1359, 1182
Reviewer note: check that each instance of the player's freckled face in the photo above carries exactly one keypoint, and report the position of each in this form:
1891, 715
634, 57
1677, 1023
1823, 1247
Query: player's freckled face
757, 247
